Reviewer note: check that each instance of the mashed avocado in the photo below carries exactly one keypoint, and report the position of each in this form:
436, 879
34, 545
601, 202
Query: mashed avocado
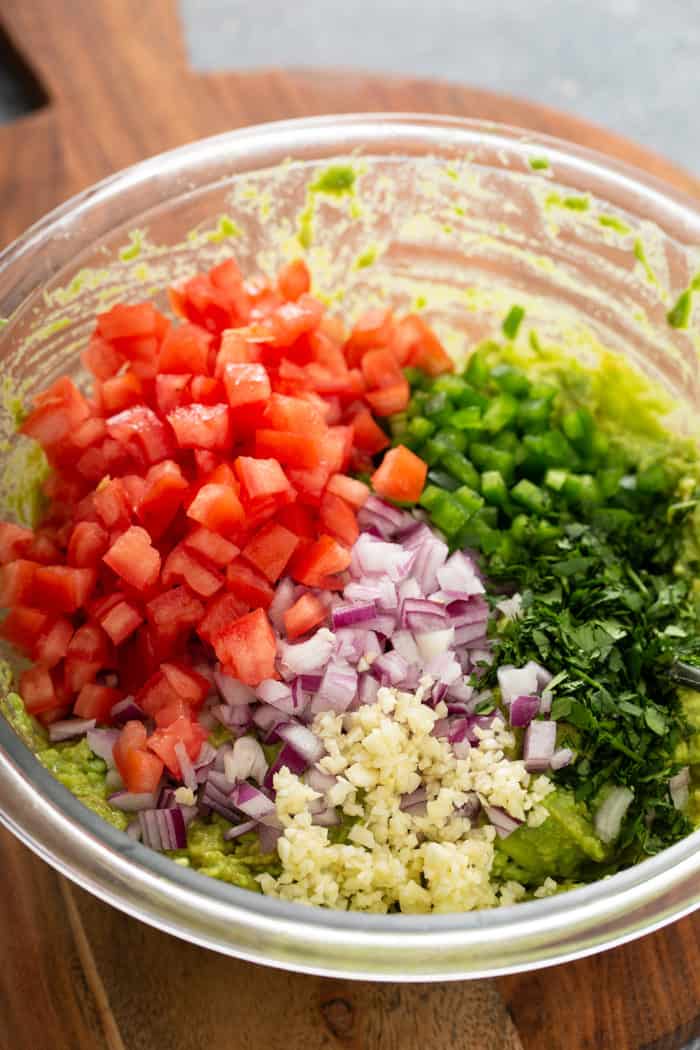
237, 862
558, 848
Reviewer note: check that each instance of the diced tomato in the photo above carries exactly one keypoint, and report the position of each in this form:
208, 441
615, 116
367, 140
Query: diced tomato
164, 493
260, 478
120, 392
182, 565
45, 548
96, 701
354, 492
246, 384
296, 450
373, 329
101, 358
112, 504
128, 321
270, 550
415, 344
211, 546
155, 693
60, 588
206, 305
140, 429
14, 541
307, 613
88, 543
163, 742
140, 770
59, 411
186, 683
171, 392
121, 621
134, 558
337, 447
208, 391
17, 583
338, 519
175, 610
247, 648
293, 319
297, 414
201, 426
310, 483
52, 644
185, 349
22, 627
37, 689
248, 585
205, 461
235, 349
294, 279
389, 400
298, 519
401, 475
221, 611
318, 560
88, 433
88, 653
169, 712
218, 508
381, 369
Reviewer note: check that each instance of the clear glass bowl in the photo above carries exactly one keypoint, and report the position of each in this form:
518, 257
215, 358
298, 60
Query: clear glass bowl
456, 218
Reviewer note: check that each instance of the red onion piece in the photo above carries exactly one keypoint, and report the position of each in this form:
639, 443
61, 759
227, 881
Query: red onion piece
353, 615
101, 742
308, 657
246, 759
288, 758
390, 668
459, 574
372, 557
132, 802
326, 818
240, 829
388, 520
251, 801
502, 821
367, 688
561, 758
420, 615
432, 644
517, 681
319, 781
523, 710
233, 691
611, 813
337, 689
269, 838
68, 728
126, 710
538, 745
285, 596
306, 744
679, 788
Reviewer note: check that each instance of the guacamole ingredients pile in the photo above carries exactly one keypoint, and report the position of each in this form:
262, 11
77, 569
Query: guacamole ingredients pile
317, 616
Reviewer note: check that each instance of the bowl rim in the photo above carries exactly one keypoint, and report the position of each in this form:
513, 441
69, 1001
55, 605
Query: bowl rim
302, 937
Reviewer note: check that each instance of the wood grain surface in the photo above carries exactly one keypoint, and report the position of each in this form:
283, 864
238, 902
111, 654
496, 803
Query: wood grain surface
78, 975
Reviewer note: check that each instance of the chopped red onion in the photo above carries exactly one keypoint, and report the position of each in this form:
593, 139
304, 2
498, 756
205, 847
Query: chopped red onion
679, 788
517, 681
113, 780
353, 615
288, 758
134, 830
523, 710
460, 690
367, 688
404, 643
409, 588
372, 557
444, 668
285, 596
306, 744
126, 710
337, 689
561, 758
420, 615
390, 668
432, 644
471, 807
240, 829
459, 575
611, 813
163, 829
503, 822
234, 718
319, 781
251, 801
186, 768
326, 818
538, 745
233, 692
388, 521
67, 728
416, 798
268, 837
307, 657
543, 675
461, 748
267, 719
132, 802
430, 556
101, 742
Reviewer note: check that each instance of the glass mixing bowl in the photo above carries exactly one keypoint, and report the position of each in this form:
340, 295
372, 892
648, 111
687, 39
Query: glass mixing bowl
455, 218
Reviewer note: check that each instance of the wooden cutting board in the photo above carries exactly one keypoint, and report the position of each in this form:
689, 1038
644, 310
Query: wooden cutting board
76, 974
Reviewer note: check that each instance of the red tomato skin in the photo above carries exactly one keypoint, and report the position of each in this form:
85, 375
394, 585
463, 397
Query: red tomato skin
247, 648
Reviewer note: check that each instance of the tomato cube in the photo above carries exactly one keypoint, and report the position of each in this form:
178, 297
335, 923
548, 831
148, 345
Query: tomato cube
211, 546
175, 610
17, 583
164, 741
141, 771
121, 621
201, 426
218, 508
182, 565
120, 392
248, 585
112, 504
389, 399
96, 701
318, 560
261, 477
401, 475
37, 690
101, 358
171, 391
52, 644
296, 450
139, 429
246, 384
187, 683
221, 611
22, 627
134, 558
354, 492
163, 495
295, 414
294, 279
381, 369
128, 321
247, 648
368, 435
185, 349
270, 550
338, 519
14, 541
60, 588
307, 613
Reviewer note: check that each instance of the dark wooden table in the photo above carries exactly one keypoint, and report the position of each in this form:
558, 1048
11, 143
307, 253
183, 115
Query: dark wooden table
76, 974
